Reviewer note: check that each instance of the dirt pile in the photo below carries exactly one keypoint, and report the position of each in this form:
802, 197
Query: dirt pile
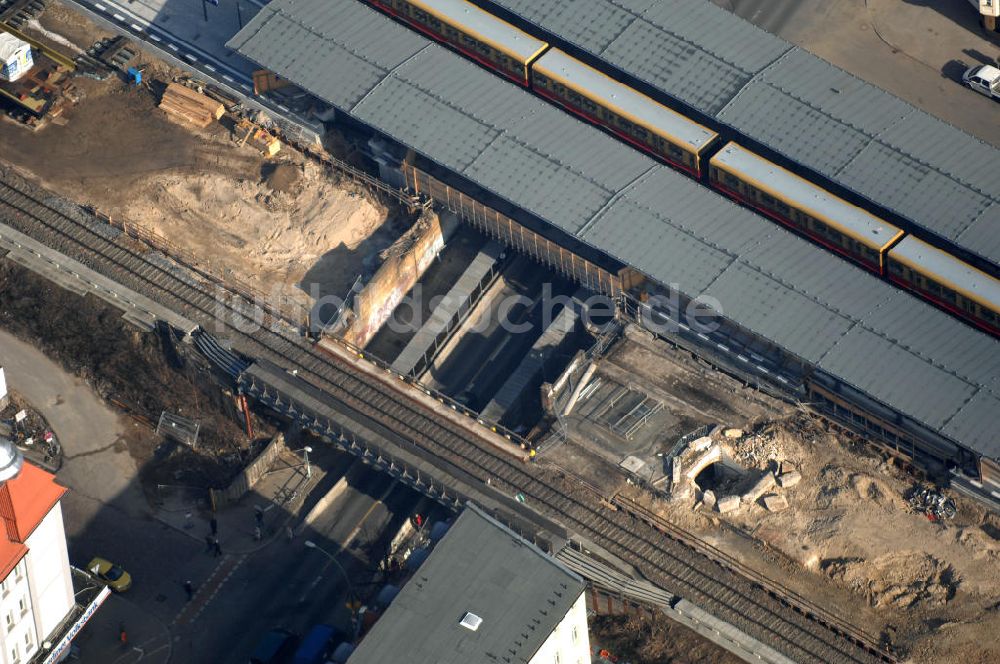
294, 235
900, 580
281, 177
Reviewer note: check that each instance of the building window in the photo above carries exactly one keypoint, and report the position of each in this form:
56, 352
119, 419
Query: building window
15, 654
29, 642
22, 605
10, 620
19, 572
5, 587
576, 635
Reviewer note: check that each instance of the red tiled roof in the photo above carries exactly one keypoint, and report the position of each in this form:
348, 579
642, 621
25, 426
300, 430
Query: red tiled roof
10, 555
26, 499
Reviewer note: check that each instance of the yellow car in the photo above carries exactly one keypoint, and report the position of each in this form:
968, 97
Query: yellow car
117, 579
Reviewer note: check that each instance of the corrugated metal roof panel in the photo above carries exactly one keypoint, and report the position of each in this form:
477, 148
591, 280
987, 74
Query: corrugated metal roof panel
681, 203
913, 189
397, 108
932, 334
760, 304
697, 77
720, 33
948, 149
840, 96
821, 275
342, 80
901, 379
649, 243
592, 23
788, 125
983, 232
976, 424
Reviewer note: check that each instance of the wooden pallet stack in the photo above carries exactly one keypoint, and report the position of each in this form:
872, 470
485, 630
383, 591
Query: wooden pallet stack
187, 106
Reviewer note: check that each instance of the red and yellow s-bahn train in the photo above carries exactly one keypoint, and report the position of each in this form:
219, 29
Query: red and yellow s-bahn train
785, 197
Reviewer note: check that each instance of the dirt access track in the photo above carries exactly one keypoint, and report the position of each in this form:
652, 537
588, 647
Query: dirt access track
284, 225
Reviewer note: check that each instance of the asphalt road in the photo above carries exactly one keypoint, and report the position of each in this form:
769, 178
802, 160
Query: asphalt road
290, 586
771, 15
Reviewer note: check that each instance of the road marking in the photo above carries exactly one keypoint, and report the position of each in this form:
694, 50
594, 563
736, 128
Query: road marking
100, 6
209, 67
208, 590
978, 485
118, 17
227, 77
137, 28
190, 57
154, 37
995, 494
173, 47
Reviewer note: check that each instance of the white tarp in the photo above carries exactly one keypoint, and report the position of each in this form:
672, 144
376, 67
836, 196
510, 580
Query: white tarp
15, 57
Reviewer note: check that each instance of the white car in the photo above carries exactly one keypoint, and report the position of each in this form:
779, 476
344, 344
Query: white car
984, 79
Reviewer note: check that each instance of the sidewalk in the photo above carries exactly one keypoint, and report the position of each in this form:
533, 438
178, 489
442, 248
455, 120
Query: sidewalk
278, 497
148, 638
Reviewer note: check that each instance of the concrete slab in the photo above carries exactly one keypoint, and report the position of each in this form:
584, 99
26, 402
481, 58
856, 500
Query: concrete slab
789, 479
728, 504
763, 485
776, 502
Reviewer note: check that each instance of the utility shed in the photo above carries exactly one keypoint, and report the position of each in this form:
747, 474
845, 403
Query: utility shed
872, 143
483, 595
542, 165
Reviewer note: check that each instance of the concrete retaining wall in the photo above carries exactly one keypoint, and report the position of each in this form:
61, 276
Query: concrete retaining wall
245, 481
408, 259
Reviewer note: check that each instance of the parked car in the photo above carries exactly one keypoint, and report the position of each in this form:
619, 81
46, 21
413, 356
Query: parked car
317, 645
275, 647
984, 79
104, 570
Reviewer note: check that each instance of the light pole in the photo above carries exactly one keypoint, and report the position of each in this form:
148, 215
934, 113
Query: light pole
305, 457
352, 598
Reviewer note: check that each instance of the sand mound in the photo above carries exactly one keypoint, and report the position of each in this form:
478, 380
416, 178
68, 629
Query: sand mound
292, 234
900, 580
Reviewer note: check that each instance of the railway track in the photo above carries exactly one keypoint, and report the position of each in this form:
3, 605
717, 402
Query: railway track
761, 613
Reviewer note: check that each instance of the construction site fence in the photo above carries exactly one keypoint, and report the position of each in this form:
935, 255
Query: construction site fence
505, 230
249, 476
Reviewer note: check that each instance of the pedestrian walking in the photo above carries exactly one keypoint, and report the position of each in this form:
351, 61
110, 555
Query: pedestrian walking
122, 635
189, 589
209, 543
289, 533
258, 515
256, 534
214, 524
217, 548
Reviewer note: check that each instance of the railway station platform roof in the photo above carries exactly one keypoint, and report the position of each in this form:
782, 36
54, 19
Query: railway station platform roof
815, 114
538, 159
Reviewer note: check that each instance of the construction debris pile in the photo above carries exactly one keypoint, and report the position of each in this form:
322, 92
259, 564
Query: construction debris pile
933, 504
742, 469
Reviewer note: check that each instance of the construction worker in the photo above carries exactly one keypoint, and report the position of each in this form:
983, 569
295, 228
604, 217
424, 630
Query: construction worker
531, 454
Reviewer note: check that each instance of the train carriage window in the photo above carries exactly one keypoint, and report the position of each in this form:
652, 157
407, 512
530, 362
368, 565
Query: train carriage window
987, 315
932, 286
782, 207
731, 180
675, 151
